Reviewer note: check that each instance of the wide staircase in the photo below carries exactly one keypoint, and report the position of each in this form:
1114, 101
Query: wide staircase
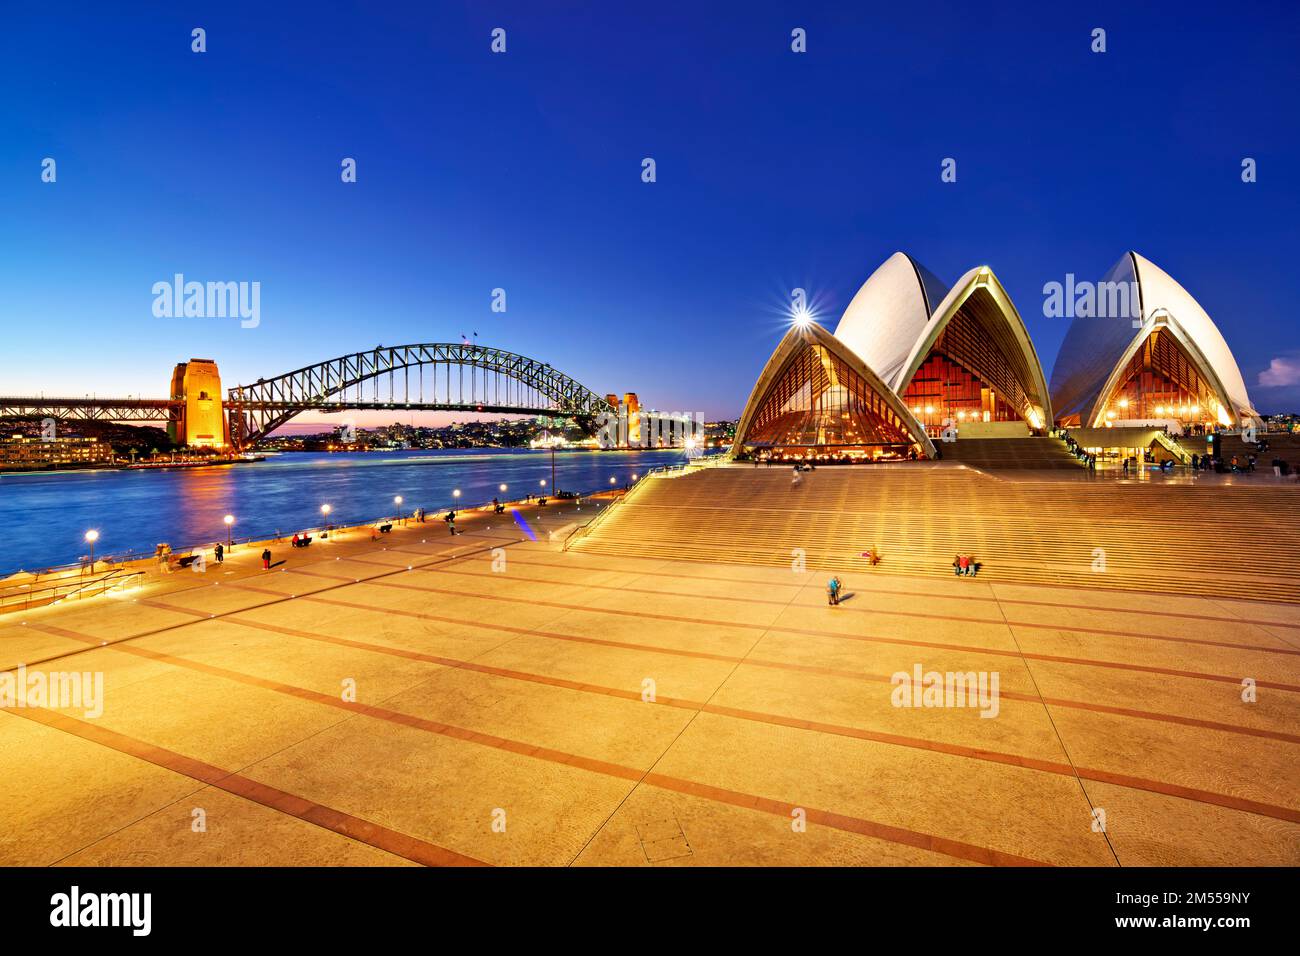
1209, 540
1039, 453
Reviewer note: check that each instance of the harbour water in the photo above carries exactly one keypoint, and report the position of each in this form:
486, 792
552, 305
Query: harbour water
44, 517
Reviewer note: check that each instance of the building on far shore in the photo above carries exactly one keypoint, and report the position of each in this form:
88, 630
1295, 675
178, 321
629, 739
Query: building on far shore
23, 453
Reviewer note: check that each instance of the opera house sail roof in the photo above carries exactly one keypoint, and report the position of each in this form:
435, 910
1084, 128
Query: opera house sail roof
1157, 358
911, 361
816, 394
974, 358
889, 312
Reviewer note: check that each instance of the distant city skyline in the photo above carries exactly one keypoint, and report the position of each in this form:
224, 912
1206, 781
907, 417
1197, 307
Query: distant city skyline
522, 171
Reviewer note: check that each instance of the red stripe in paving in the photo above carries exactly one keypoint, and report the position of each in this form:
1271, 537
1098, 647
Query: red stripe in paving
937, 844
758, 662
804, 668
1155, 786
880, 612
355, 828
815, 632
692, 575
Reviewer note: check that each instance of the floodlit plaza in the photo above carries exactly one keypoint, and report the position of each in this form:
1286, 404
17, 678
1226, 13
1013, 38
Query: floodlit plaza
602, 696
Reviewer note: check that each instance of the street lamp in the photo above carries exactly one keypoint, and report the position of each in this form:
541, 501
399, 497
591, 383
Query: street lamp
229, 520
91, 537
455, 493
398, 501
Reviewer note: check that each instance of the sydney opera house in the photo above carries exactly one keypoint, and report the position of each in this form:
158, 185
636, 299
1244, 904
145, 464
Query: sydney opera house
913, 361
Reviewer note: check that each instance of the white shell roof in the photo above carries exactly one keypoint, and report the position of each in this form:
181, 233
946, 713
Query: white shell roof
814, 334
889, 312
1094, 345
1036, 388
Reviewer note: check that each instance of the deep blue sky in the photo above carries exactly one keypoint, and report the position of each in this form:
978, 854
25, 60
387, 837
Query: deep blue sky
522, 171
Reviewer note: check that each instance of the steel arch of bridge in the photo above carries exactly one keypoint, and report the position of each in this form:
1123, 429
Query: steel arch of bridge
498, 381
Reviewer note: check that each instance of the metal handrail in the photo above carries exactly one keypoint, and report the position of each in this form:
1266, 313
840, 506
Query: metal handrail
1174, 448
79, 588
579, 532
658, 471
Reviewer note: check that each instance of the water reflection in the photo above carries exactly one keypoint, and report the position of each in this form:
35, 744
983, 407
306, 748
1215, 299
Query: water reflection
43, 517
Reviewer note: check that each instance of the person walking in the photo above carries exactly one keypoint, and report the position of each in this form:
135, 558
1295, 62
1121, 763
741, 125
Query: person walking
220, 552
833, 591
266, 559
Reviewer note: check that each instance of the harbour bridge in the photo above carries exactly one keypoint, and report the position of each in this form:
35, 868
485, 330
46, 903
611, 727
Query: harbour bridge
423, 377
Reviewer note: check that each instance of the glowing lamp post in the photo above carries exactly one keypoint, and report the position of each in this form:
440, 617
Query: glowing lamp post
398, 501
229, 520
91, 537
325, 513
